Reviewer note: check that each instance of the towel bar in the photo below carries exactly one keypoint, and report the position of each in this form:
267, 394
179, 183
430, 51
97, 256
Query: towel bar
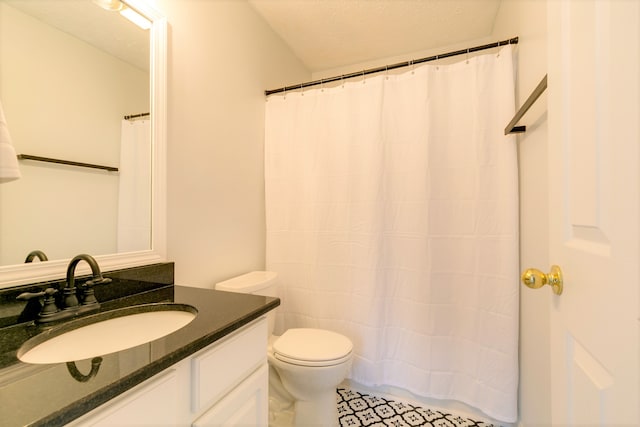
65, 162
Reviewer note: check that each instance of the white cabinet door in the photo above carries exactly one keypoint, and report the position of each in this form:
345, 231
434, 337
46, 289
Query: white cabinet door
216, 370
246, 405
593, 100
155, 403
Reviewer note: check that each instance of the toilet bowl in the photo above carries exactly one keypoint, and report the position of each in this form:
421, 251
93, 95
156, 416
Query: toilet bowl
309, 363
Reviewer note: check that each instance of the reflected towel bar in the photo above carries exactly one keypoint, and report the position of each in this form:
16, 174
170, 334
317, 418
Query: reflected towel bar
511, 127
66, 162
135, 116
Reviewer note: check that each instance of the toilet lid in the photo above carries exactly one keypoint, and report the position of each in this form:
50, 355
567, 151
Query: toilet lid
312, 347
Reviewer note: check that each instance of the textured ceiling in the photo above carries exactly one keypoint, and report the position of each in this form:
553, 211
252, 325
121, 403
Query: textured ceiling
324, 34
327, 34
85, 20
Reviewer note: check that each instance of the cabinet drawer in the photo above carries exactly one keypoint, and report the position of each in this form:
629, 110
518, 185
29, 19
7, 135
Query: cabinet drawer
218, 369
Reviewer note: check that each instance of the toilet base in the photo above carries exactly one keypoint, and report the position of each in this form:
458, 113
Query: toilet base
281, 404
322, 412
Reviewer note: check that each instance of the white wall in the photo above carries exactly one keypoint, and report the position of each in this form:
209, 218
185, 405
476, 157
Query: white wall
63, 99
222, 56
528, 20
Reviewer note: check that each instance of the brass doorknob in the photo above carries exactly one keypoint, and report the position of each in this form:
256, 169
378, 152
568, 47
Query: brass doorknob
536, 279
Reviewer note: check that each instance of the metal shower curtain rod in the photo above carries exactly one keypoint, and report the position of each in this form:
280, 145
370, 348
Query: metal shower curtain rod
513, 40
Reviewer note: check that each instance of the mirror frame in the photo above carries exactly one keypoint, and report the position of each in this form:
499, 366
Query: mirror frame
13, 275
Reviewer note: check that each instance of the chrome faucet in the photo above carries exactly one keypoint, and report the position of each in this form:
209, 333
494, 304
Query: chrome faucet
69, 305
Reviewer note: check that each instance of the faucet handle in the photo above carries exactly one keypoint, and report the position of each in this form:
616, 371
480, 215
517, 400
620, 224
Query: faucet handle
50, 306
97, 280
88, 295
26, 296
39, 311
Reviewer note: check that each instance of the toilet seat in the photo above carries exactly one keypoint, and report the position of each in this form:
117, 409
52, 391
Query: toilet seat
312, 347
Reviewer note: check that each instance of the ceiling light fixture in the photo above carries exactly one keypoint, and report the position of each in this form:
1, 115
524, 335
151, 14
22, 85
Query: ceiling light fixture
126, 11
110, 5
135, 17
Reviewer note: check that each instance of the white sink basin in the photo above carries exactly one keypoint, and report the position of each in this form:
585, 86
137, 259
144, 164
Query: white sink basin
105, 333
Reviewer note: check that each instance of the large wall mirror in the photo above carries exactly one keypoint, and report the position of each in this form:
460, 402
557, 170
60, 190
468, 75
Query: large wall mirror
70, 71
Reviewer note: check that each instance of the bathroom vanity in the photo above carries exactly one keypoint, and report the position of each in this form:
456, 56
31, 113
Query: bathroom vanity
224, 384
212, 371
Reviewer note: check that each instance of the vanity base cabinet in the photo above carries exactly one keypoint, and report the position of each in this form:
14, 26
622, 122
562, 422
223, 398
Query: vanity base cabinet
225, 383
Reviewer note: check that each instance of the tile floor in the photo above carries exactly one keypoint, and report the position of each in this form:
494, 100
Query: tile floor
360, 409
357, 409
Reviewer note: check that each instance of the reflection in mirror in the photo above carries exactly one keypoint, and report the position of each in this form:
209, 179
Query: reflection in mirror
66, 85
65, 98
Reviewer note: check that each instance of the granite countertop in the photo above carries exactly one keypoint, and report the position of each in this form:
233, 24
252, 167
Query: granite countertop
38, 395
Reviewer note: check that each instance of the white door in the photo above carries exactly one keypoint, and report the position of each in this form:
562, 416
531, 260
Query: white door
594, 209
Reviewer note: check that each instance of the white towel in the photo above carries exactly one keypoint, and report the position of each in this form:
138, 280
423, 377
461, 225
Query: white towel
9, 169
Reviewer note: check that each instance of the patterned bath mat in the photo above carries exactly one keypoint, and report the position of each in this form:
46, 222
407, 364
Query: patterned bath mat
363, 410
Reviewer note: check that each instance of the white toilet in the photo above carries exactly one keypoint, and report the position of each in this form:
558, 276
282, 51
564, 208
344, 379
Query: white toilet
309, 363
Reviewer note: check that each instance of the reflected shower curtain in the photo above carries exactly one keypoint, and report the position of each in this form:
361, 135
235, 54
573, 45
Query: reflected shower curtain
134, 197
392, 218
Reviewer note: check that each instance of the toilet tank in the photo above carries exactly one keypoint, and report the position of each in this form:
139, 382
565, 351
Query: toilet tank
258, 283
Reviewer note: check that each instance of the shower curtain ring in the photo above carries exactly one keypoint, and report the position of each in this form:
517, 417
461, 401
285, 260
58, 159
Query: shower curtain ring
467, 55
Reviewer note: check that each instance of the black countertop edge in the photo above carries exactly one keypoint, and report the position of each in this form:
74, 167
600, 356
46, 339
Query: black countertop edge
94, 400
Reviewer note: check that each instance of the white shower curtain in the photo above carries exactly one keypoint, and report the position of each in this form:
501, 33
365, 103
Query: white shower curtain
134, 197
392, 217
